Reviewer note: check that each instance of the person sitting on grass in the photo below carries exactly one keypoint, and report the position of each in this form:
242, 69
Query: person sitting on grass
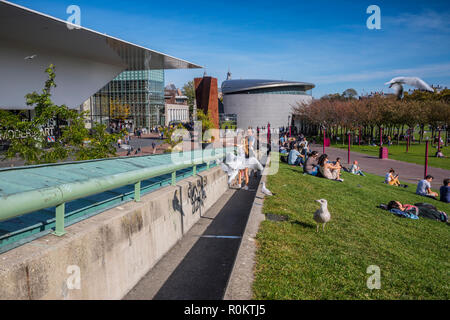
337, 162
445, 191
392, 179
304, 143
295, 158
424, 188
329, 170
439, 154
355, 169
310, 166
283, 149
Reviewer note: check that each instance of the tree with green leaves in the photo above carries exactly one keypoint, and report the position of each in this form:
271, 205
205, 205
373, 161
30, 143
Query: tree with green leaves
72, 139
350, 93
170, 138
207, 123
189, 92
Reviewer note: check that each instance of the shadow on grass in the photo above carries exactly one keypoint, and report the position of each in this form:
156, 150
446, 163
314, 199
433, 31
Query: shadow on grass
297, 170
303, 224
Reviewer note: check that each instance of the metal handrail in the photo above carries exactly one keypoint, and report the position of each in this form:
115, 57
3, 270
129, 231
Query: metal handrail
25, 202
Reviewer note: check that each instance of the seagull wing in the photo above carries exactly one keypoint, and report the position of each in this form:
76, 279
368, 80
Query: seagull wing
418, 83
395, 80
411, 81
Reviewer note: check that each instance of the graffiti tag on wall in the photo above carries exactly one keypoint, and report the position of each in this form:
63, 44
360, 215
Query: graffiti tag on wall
197, 194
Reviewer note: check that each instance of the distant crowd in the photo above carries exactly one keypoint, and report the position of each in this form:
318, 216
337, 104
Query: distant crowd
295, 150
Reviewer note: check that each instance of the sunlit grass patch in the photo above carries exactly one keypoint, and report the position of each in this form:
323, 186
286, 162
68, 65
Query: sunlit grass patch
295, 262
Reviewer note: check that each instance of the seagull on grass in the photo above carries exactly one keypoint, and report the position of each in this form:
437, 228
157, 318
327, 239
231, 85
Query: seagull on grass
266, 191
322, 215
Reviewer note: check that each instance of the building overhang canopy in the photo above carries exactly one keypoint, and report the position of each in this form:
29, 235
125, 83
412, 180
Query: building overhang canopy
85, 60
30, 27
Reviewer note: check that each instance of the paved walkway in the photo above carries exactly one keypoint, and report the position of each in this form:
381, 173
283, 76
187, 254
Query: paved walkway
408, 172
199, 266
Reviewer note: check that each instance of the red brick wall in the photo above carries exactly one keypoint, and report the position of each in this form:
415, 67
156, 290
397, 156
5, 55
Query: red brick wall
206, 95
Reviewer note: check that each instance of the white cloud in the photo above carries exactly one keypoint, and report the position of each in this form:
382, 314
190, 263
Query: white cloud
426, 21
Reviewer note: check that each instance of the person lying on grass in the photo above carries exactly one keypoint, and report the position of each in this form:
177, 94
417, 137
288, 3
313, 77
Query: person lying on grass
392, 179
403, 207
423, 210
355, 169
329, 170
424, 188
445, 191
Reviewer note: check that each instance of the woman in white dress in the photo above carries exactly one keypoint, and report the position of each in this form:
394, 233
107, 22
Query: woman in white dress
240, 164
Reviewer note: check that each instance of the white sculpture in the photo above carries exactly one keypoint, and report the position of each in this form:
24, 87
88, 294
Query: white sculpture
396, 85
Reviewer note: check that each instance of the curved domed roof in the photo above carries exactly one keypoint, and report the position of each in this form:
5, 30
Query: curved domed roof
234, 86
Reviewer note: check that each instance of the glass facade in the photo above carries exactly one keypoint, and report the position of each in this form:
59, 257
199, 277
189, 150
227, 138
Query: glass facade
135, 97
227, 120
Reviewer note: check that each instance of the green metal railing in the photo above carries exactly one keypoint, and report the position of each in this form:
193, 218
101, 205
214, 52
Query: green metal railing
57, 196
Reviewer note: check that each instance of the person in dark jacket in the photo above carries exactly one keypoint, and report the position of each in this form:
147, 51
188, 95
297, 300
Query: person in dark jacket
445, 191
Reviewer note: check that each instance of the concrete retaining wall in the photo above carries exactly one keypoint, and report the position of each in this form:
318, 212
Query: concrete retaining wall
104, 256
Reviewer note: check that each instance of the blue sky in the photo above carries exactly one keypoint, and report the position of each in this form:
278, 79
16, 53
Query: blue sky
323, 42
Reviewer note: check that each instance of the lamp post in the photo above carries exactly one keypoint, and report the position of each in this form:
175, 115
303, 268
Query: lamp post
426, 158
407, 140
446, 135
439, 139
348, 160
324, 135
289, 125
381, 136
359, 138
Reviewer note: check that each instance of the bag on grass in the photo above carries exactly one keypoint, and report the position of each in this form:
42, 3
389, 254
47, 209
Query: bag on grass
427, 210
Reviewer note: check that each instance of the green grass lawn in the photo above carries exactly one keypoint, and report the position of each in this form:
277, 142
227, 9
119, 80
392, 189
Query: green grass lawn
416, 153
295, 262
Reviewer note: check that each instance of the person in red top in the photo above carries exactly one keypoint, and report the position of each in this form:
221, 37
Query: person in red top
403, 207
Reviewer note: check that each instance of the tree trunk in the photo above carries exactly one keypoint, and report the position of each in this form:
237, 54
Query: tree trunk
432, 137
446, 136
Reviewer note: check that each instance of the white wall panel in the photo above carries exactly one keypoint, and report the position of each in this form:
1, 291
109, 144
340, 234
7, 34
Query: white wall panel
259, 109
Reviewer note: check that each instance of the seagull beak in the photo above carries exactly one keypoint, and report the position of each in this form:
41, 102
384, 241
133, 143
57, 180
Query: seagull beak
317, 201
